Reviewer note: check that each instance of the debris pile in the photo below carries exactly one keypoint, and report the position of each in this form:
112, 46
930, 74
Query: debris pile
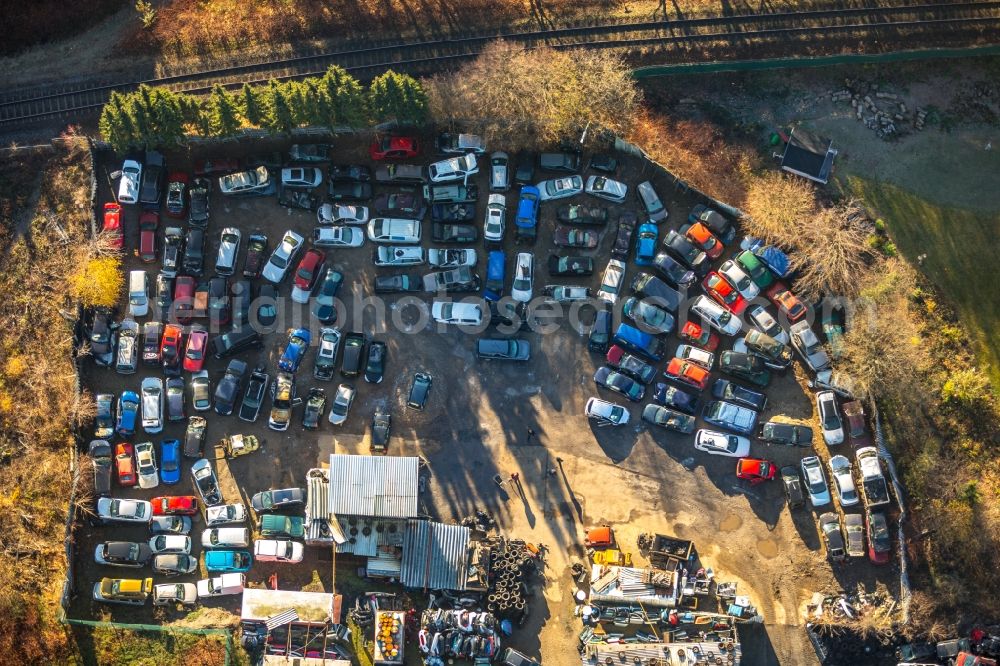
457, 633
882, 112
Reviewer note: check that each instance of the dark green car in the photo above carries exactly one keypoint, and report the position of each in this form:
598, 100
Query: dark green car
755, 268
745, 366
274, 525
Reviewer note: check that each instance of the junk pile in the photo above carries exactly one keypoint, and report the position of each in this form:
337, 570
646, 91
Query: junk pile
457, 633
845, 607
509, 565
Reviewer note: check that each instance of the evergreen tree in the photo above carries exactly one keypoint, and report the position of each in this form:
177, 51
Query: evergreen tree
223, 113
279, 117
113, 125
346, 99
399, 98
253, 109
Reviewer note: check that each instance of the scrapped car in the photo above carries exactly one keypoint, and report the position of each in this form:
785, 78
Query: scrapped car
675, 398
808, 346
606, 413
401, 174
524, 277
126, 591
762, 319
649, 315
253, 263
775, 355
122, 554
737, 277
829, 525
394, 147
394, 230
722, 444
688, 373
278, 550
792, 486
730, 416
830, 422
724, 292
840, 472
282, 401
745, 366
668, 418
755, 470
308, 272
206, 483
254, 182
696, 355
342, 402
645, 247
124, 510
566, 293
315, 406
225, 514
277, 500
698, 336
307, 177
324, 306
655, 209
295, 350
582, 214
560, 188
623, 236
716, 316
458, 144
686, 252
570, 237
789, 434
573, 266
606, 188
326, 355
613, 380
395, 255
282, 257
453, 169
787, 302
812, 473
194, 436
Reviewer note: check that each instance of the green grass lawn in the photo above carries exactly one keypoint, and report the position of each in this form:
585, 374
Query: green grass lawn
961, 248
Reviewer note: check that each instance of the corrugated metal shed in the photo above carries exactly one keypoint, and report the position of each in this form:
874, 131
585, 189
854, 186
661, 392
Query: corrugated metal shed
375, 486
365, 536
322, 527
385, 564
435, 555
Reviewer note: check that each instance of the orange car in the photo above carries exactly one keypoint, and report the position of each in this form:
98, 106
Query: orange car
699, 336
175, 505
724, 293
125, 465
689, 373
700, 235
786, 301
113, 225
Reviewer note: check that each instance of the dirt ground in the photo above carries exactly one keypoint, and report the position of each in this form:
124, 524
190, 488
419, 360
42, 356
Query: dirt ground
488, 418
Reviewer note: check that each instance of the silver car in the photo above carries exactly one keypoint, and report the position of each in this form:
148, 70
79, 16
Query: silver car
559, 188
499, 172
655, 209
812, 473
281, 258
152, 405
606, 188
127, 359
229, 249
496, 214
342, 404
395, 255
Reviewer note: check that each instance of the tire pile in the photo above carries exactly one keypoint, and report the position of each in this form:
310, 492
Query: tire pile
457, 633
510, 565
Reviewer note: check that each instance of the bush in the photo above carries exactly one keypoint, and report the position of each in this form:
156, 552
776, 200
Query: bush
779, 207
967, 388
98, 282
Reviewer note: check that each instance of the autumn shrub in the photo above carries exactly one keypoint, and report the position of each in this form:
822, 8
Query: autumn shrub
967, 388
779, 206
98, 281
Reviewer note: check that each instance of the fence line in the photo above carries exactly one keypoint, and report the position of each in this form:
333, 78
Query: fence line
905, 591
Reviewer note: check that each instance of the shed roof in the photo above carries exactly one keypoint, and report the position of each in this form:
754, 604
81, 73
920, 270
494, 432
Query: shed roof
373, 486
435, 555
808, 155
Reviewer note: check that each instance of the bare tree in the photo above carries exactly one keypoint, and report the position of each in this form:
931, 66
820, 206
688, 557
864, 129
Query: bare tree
831, 251
778, 206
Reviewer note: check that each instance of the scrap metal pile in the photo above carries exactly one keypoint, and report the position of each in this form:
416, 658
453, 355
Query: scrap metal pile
460, 633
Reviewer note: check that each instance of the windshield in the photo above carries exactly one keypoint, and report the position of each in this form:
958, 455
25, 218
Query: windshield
279, 261
732, 444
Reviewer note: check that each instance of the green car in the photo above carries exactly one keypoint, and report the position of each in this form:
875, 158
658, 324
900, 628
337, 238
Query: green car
273, 525
745, 366
755, 268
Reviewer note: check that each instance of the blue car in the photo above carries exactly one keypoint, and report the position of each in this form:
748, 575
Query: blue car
295, 350
170, 461
645, 246
495, 268
526, 222
128, 413
228, 561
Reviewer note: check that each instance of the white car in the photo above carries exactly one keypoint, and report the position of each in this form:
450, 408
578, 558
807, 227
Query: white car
394, 255
225, 537
559, 188
499, 172
829, 419
145, 463
606, 188
152, 405
496, 219
229, 250
394, 230
201, 391
277, 550
124, 510
809, 347
166, 594
279, 261
738, 277
128, 186
696, 355
341, 214
245, 182
607, 413
170, 543
451, 258
716, 316
225, 514
763, 320
611, 283
453, 168
448, 312
227, 583
524, 277
722, 444
338, 236
840, 471
138, 293
301, 177
812, 473
342, 402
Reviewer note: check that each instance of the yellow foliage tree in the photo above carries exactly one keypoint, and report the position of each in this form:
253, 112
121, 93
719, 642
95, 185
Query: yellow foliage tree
98, 281
778, 205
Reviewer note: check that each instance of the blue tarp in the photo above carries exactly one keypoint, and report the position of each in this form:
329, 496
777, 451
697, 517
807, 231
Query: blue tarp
775, 259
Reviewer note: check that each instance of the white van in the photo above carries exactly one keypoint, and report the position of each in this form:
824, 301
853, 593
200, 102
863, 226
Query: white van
225, 537
138, 293
227, 583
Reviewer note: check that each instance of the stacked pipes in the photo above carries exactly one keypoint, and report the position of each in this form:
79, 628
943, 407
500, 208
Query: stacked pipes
509, 566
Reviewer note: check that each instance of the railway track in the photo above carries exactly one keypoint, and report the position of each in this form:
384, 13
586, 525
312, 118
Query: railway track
723, 33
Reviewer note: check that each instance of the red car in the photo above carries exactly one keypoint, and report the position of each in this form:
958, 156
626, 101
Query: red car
148, 222
177, 194
216, 167
687, 372
699, 336
175, 505
786, 301
755, 470
183, 304
702, 237
194, 353
724, 293
394, 148
125, 465
113, 225
170, 345
307, 273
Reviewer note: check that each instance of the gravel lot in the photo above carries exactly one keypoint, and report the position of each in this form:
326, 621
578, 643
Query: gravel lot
488, 418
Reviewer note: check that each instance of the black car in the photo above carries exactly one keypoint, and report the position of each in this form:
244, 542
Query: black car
153, 174
788, 434
525, 173
194, 252
151, 332
381, 425
102, 335
793, 487
175, 399
267, 305
315, 406
354, 347
277, 500
745, 366
675, 398
673, 271
715, 222
453, 212
603, 163
662, 294
164, 296
350, 173
419, 390
503, 349
253, 399
685, 251
453, 233
124, 553
324, 302
409, 205
235, 341
561, 162
228, 387
310, 152
289, 197
173, 250
345, 191
375, 367
619, 383
570, 265
600, 333
623, 237
669, 419
393, 284
198, 207
723, 389
104, 421
100, 456
256, 256
241, 296
194, 436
